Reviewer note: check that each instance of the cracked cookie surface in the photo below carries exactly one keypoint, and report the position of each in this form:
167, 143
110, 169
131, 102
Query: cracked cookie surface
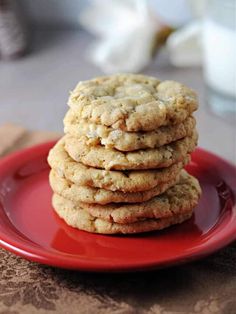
81, 219
178, 199
173, 209
108, 158
78, 193
125, 181
126, 141
132, 102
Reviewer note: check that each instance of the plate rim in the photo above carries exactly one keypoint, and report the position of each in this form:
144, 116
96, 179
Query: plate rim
31, 252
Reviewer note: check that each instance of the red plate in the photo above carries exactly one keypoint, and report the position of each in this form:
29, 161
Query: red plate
30, 228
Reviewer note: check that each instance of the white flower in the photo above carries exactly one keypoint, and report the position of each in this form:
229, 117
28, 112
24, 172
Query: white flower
184, 45
126, 29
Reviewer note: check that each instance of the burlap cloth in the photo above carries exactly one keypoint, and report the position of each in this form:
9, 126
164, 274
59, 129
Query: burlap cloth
207, 286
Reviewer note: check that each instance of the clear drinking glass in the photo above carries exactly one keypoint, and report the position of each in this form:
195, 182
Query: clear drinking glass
219, 43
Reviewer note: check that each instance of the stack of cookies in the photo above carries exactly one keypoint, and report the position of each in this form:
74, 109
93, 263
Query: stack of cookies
119, 166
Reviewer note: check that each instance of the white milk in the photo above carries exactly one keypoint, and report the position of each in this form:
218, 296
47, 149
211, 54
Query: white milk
219, 42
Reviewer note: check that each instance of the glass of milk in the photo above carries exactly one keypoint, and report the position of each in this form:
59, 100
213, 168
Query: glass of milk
219, 43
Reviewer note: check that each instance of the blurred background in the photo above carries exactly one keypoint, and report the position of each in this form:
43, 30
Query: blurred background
47, 46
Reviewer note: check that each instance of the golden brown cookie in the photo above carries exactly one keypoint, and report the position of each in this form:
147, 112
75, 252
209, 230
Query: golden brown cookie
126, 141
132, 102
178, 199
78, 193
108, 158
79, 218
125, 181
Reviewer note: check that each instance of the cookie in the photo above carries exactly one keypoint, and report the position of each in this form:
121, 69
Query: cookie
79, 218
78, 193
180, 198
108, 158
125, 181
126, 141
132, 102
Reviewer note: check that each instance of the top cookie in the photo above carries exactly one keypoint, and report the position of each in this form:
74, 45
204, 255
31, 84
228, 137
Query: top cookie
132, 102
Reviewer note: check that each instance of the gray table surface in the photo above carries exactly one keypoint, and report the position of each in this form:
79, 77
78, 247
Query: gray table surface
34, 89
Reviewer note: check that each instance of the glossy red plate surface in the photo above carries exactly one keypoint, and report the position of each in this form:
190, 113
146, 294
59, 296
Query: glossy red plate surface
30, 228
